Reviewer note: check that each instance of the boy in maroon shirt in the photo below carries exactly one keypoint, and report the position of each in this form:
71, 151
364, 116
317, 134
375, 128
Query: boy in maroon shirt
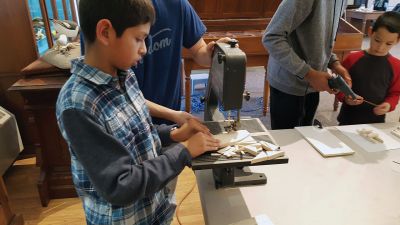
375, 75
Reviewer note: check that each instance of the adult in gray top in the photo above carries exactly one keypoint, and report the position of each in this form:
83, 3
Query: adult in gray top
299, 39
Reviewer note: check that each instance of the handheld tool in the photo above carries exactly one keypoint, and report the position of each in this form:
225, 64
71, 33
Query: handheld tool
371, 103
337, 82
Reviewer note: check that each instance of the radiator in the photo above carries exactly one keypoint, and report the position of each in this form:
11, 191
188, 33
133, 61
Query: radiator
10, 140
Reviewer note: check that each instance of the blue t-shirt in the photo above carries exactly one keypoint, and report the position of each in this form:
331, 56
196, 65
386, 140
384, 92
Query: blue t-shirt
159, 73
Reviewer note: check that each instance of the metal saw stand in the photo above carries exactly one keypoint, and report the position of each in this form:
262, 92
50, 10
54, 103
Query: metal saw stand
226, 88
231, 172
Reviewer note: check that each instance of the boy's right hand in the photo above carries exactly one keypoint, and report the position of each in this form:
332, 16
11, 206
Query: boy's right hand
319, 80
350, 101
201, 143
181, 117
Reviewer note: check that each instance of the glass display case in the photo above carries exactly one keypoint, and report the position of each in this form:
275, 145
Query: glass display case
43, 13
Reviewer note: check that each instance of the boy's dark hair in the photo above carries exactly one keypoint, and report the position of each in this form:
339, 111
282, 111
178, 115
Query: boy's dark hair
390, 20
123, 14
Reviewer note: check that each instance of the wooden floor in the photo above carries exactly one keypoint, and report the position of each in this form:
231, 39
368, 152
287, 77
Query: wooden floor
24, 199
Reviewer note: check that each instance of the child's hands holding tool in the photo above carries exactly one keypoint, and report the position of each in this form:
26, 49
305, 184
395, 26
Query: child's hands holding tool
382, 108
351, 101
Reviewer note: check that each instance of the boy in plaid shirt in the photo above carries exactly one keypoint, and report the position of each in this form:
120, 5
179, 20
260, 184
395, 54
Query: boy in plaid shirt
121, 163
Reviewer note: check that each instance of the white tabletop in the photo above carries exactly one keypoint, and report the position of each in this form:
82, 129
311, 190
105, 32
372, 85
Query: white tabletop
360, 189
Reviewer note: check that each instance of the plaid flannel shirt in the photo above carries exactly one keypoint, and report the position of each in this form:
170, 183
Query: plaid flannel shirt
125, 116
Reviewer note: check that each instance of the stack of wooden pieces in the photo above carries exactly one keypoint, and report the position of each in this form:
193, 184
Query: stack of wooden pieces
240, 142
370, 135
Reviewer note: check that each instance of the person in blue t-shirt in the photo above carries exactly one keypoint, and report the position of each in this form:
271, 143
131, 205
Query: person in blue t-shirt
159, 73
380, 5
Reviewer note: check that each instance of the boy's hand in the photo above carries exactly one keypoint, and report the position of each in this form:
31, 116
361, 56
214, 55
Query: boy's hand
350, 101
339, 69
201, 143
181, 117
319, 80
188, 129
382, 109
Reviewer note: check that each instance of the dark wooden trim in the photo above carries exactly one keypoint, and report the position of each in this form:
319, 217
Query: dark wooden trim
6, 215
73, 10
32, 30
17, 220
64, 2
5, 208
46, 22
236, 24
8, 74
54, 7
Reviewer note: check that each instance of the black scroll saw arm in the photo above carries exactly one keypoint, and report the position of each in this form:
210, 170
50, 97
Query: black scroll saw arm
225, 90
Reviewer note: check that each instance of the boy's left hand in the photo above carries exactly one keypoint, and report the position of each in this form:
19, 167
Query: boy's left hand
188, 129
382, 109
339, 69
357, 101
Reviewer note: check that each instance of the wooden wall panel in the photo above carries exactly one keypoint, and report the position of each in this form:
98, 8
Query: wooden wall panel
16, 39
242, 9
270, 7
234, 9
206, 9
237, 15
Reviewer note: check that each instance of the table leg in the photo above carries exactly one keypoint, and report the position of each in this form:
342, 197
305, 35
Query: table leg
364, 22
266, 93
188, 69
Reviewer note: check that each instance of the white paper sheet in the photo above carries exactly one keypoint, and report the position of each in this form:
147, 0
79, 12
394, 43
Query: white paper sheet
324, 142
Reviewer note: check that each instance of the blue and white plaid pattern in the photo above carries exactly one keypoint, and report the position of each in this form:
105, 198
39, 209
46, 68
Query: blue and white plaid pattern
128, 120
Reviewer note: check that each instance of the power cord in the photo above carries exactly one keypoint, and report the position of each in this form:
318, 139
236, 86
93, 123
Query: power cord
183, 199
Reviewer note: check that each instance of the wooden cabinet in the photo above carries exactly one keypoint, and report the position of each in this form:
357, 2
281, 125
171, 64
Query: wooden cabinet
362, 17
40, 87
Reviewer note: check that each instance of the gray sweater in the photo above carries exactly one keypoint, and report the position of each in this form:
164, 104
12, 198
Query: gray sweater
299, 37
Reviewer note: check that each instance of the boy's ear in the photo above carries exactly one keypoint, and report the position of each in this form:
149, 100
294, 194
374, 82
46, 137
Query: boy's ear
104, 31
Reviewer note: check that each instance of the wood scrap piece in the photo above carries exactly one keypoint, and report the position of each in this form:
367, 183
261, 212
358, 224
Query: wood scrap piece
222, 150
232, 137
267, 155
396, 132
251, 149
247, 141
370, 135
375, 137
268, 146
